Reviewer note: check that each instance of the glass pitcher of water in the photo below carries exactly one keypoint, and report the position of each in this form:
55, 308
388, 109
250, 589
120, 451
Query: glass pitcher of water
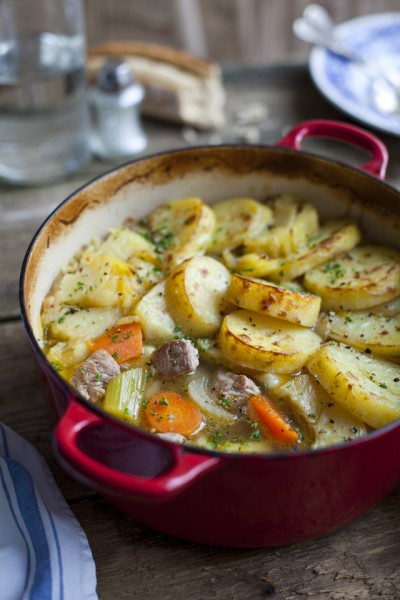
44, 125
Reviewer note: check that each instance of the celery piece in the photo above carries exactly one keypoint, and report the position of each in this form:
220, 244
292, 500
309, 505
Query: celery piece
124, 394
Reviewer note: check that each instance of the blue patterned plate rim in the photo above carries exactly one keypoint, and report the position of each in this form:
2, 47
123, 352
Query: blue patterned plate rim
345, 84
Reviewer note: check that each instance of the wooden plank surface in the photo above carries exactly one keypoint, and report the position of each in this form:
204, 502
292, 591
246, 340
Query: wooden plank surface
247, 31
358, 562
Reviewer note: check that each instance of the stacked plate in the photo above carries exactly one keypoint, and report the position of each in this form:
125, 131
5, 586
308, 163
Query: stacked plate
348, 84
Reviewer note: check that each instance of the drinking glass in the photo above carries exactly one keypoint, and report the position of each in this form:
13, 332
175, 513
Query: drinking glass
44, 124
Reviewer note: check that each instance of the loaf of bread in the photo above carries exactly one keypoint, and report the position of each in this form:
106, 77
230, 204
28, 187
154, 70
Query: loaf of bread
179, 87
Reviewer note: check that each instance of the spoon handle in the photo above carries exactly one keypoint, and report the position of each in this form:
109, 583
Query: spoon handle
316, 27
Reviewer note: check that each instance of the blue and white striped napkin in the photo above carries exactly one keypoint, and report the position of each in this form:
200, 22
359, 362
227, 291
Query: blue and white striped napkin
44, 553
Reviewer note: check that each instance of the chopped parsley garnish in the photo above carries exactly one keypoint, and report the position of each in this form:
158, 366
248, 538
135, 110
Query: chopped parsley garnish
178, 331
146, 235
335, 271
162, 238
163, 401
216, 439
224, 402
255, 432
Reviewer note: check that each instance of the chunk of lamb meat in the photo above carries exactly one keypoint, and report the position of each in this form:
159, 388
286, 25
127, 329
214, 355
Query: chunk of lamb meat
235, 386
91, 377
175, 358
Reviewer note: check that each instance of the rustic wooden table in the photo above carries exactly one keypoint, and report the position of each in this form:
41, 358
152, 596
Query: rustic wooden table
359, 561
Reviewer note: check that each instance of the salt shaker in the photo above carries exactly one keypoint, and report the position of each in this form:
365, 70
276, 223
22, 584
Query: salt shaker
115, 109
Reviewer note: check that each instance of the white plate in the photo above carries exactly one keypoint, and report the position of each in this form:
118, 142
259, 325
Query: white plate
346, 84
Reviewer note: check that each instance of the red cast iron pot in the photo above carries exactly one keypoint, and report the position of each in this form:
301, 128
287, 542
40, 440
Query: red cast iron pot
214, 497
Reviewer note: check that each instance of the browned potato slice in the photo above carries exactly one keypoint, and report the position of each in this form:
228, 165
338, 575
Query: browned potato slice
195, 293
263, 343
293, 225
268, 299
367, 386
364, 277
236, 220
182, 229
362, 330
332, 240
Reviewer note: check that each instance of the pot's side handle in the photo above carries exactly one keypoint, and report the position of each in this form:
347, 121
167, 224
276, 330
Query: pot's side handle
345, 133
186, 466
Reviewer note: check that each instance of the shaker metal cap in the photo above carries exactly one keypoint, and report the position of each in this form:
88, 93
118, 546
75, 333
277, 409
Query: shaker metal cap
114, 75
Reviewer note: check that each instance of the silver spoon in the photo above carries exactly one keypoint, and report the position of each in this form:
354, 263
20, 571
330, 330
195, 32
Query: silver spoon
316, 27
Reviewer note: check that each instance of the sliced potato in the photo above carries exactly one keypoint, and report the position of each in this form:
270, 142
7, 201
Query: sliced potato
336, 425
82, 324
124, 243
325, 422
210, 350
145, 273
363, 329
364, 277
367, 386
195, 293
389, 309
157, 324
271, 380
285, 209
101, 281
258, 265
182, 229
293, 225
333, 239
64, 355
266, 344
236, 220
269, 299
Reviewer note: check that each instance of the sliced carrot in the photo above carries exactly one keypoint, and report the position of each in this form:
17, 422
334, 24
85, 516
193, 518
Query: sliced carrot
169, 412
266, 415
123, 342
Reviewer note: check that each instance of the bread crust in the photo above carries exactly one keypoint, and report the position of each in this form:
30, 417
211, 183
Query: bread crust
182, 60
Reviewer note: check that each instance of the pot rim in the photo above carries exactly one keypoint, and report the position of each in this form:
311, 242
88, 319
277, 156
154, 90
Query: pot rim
75, 396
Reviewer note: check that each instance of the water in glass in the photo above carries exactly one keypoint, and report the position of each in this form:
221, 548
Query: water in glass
43, 114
